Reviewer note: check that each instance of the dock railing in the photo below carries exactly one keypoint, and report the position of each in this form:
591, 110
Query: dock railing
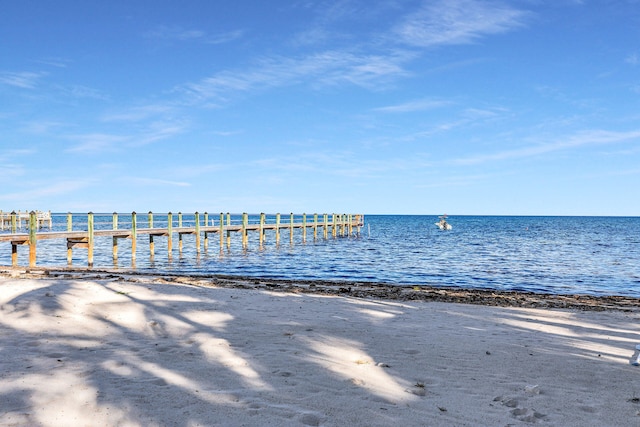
14, 220
334, 225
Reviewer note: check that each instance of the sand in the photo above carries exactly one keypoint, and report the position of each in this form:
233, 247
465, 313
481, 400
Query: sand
144, 351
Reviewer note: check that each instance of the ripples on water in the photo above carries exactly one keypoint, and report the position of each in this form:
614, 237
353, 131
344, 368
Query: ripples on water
593, 255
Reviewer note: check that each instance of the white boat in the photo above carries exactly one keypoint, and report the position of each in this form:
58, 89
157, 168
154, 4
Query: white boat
443, 224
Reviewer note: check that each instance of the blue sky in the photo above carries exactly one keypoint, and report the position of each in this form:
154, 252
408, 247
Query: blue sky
520, 107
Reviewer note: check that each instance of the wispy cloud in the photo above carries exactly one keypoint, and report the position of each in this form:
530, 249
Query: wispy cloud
24, 79
156, 182
594, 137
333, 20
632, 59
96, 143
157, 131
15, 152
78, 91
186, 35
54, 62
411, 106
448, 22
42, 126
39, 190
325, 68
138, 113
8, 170
343, 164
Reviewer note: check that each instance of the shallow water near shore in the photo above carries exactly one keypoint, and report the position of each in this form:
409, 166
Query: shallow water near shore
558, 255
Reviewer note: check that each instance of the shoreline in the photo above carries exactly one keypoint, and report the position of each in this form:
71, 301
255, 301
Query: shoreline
357, 289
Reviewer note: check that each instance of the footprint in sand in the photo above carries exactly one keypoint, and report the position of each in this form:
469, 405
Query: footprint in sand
523, 414
311, 419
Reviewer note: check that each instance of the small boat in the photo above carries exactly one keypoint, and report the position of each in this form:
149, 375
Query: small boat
443, 224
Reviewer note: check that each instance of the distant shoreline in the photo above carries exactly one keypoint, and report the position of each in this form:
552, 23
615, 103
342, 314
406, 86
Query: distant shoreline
357, 289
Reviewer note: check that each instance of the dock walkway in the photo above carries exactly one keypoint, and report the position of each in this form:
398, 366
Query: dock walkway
336, 225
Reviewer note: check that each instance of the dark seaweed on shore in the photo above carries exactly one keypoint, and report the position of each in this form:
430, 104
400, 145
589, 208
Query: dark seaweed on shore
488, 297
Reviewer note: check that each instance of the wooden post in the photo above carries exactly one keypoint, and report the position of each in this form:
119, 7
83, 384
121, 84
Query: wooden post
277, 229
152, 246
114, 239
245, 223
334, 228
14, 254
315, 226
69, 247
345, 223
206, 235
350, 224
291, 228
90, 239
170, 234
33, 226
180, 234
326, 226
197, 218
221, 229
228, 231
261, 229
134, 237
14, 226
304, 227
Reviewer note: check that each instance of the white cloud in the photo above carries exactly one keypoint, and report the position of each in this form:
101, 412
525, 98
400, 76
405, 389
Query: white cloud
78, 91
156, 182
184, 35
595, 137
39, 190
156, 132
54, 62
138, 113
9, 170
24, 79
448, 22
96, 143
418, 105
325, 68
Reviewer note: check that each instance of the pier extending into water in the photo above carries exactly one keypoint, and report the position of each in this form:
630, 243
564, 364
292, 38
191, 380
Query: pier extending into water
14, 220
334, 225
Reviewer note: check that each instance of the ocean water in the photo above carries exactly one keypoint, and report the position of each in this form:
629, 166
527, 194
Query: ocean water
558, 255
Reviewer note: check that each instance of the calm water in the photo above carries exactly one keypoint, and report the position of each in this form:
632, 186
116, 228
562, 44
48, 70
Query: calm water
594, 255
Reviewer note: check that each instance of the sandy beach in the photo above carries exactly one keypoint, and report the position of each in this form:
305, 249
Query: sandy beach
134, 350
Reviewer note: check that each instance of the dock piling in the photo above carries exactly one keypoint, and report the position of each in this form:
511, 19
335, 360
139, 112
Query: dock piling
197, 217
114, 239
33, 227
245, 224
151, 242
134, 236
90, 239
170, 235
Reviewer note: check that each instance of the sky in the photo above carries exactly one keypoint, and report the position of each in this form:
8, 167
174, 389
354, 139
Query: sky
464, 107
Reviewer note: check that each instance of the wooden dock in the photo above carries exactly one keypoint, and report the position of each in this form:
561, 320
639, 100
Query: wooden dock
334, 225
15, 220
